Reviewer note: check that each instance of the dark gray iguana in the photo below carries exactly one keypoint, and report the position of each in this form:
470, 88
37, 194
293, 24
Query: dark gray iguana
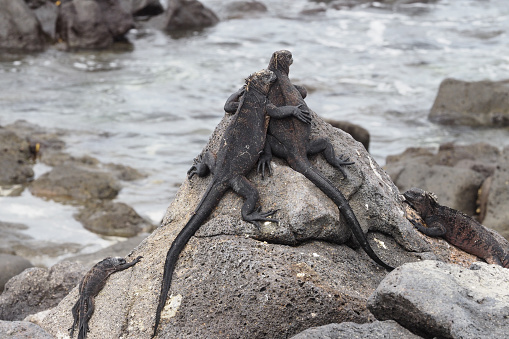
91, 284
239, 150
455, 227
289, 139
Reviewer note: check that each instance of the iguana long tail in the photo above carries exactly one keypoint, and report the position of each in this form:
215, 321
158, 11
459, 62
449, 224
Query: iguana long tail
307, 169
205, 207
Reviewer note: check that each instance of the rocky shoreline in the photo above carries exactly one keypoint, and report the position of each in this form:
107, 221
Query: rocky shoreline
319, 285
82, 182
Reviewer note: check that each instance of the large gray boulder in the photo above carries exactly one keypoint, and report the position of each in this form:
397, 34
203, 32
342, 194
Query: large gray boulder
232, 275
92, 24
73, 184
188, 14
112, 219
37, 289
454, 173
480, 103
19, 27
447, 301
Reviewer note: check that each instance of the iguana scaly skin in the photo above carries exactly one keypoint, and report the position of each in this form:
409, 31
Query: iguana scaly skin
239, 150
455, 227
91, 284
289, 139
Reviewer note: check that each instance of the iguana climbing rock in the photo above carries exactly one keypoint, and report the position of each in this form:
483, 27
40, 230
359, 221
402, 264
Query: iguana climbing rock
91, 284
238, 153
455, 227
289, 139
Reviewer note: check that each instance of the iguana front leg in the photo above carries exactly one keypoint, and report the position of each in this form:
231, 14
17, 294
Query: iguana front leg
434, 227
233, 101
288, 111
325, 147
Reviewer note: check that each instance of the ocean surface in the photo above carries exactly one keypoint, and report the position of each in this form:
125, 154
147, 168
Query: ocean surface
153, 106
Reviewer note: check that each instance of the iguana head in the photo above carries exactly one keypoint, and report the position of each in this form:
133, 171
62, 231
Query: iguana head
420, 200
281, 61
111, 262
261, 81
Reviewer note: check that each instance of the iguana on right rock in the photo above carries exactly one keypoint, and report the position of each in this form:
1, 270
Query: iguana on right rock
289, 139
455, 227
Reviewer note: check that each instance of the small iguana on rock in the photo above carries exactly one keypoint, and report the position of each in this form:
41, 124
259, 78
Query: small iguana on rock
455, 227
289, 139
91, 284
238, 153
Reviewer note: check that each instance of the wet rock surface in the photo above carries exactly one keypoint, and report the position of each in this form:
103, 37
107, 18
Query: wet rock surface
481, 103
112, 219
19, 28
435, 299
90, 24
146, 7
37, 289
14, 159
71, 184
15, 242
187, 14
241, 9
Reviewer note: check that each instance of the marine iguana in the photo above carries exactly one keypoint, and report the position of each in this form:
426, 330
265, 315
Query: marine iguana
289, 139
91, 284
238, 153
455, 227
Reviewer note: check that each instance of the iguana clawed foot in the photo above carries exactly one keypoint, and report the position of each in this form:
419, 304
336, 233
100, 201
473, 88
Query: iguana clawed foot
264, 163
302, 115
256, 216
340, 161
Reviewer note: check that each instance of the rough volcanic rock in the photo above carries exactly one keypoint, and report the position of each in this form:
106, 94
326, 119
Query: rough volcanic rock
19, 27
347, 330
37, 289
480, 103
435, 299
233, 275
